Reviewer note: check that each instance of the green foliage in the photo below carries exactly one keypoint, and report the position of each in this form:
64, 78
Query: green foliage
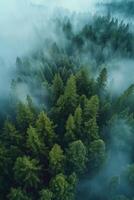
61, 188
45, 128
126, 8
46, 194
70, 129
34, 141
76, 157
91, 130
56, 159
73, 123
84, 84
26, 171
3, 158
78, 122
10, 135
96, 154
5, 171
67, 28
57, 87
91, 108
24, 117
68, 102
102, 81
18, 194
72, 180
125, 100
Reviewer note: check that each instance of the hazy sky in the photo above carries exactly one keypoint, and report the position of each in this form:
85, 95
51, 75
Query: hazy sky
72, 5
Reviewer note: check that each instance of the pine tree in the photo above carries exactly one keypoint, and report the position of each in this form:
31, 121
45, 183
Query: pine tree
91, 130
68, 102
25, 116
56, 159
72, 181
71, 91
60, 188
10, 135
57, 87
6, 175
45, 128
96, 154
26, 171
102, 79
70, 129
84, 84
34, 141
91, 108
67, 28
13, 140
76, 157
18, 194
46, 194
78, 122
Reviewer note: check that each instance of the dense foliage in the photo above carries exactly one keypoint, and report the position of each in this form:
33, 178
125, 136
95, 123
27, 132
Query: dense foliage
70, 125
125, 7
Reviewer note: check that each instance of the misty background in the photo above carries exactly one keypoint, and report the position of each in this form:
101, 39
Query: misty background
25, 25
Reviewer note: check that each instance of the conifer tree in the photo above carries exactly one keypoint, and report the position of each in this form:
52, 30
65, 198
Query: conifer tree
26, 171
34, 141
57, 87
78, 120
102, 80
91, 130
76, 157
56, 159
24, 117
68, 101
46, 194
45, 128
18, 194
60, 188
96, 154
91, 108
83, 82
10, 135
70, 129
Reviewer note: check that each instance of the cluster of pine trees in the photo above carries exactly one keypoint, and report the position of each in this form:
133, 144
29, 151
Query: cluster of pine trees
126, 8
48, 146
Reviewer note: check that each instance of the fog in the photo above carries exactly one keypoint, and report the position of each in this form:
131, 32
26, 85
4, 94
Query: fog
121, 75
118, 158
19, 19
73, 6
25, 23
17, 38
24, 26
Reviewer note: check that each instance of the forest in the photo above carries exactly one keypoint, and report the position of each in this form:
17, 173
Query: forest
124, 7
65, 133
